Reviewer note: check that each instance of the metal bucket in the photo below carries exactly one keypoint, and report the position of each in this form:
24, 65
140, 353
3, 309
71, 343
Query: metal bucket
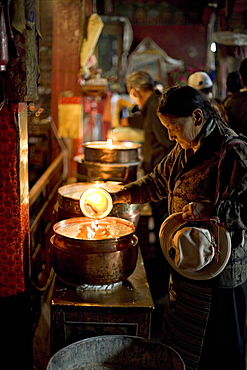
68, 204
96, 171
107, 257
117, 152
103, 162
117, 352
124, 172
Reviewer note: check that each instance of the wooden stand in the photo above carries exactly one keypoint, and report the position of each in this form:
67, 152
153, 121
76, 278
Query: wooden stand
124, 309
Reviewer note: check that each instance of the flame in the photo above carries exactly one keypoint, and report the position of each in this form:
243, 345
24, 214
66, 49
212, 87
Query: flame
110, 144
96, 201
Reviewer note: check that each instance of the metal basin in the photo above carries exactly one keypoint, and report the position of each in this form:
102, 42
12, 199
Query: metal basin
118, 152
118, 352
68, 204
107, 257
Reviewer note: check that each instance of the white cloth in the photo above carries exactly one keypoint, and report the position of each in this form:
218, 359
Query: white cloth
149, 57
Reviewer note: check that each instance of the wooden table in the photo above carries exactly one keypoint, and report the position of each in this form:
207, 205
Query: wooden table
125, 309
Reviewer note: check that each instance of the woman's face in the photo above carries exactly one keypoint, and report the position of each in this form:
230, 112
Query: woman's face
183, 129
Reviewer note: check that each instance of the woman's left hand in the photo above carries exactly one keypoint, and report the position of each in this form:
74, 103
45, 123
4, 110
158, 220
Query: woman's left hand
198, 210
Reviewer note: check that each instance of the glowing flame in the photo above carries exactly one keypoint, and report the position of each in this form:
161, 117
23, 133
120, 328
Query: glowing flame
96, 201
110, 144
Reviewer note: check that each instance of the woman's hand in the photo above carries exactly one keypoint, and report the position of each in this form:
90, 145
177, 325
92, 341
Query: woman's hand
198, 210
121, 196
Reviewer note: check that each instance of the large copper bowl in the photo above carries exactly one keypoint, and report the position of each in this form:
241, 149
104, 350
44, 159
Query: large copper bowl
107, 260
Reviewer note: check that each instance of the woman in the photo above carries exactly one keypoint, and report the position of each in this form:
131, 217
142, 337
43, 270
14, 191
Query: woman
211, 313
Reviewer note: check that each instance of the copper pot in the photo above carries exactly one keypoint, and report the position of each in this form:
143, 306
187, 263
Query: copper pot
117, 161
109, 259
68, 204
117, 152
96, 171
124, 172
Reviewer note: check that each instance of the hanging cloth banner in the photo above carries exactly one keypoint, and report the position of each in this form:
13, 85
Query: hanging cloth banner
230, 38
149, 57
94, 28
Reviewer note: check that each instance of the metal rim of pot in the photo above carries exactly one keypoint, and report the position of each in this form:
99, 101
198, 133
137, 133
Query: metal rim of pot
123, 152
68, 205
108, 244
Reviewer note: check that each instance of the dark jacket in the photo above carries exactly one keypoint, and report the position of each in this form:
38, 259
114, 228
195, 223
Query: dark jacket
156, 142
187, 179
237, 112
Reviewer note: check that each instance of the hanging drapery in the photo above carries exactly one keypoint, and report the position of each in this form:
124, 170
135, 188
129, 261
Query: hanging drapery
90, 39
230, 38
210, 62
23, 71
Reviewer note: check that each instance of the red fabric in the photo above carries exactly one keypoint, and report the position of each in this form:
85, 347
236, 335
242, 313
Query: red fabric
185, 42
14, 217
70, 100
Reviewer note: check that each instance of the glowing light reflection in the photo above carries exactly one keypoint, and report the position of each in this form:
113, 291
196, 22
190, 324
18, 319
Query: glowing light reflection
110, 144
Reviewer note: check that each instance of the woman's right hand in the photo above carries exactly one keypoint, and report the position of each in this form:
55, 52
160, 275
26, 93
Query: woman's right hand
121, 196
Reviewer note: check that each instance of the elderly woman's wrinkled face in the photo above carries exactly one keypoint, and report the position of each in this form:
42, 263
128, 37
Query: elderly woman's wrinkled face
182, 129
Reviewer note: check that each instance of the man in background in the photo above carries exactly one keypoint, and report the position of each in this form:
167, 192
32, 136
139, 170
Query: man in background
237, 106
141, 89
201, 81
233, 85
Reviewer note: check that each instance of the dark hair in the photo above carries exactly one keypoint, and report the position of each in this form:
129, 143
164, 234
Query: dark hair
243, 71
181, 101
233, 82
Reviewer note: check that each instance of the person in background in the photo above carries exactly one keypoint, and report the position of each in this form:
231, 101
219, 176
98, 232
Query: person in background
201, 81
233, 85
237, 106
204, 319
141, 88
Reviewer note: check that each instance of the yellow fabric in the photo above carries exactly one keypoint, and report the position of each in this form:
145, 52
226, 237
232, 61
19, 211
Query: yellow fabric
70, 118
94, 29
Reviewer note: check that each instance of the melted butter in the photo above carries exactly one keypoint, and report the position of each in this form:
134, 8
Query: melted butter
95, 230
89, 232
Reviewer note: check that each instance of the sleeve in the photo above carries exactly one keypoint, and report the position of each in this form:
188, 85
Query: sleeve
136, 120
154, 186
232, 202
